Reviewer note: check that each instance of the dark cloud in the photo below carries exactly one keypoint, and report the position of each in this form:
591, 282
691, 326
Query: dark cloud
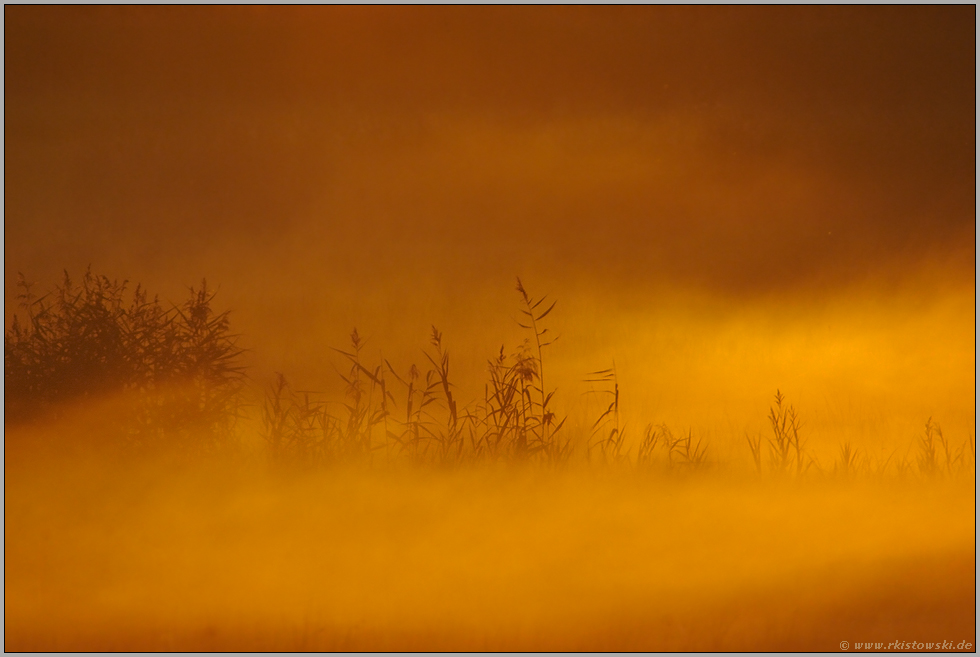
733, 148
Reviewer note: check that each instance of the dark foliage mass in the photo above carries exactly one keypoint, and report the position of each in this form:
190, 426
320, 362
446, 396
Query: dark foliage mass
177, 368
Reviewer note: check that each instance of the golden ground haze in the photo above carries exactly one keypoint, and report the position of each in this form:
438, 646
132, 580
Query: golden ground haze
487, 559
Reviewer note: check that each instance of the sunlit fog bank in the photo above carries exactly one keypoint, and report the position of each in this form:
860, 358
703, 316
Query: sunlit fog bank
212, 558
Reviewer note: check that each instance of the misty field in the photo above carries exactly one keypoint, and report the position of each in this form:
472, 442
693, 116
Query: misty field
163, 512
490, 327
214, 558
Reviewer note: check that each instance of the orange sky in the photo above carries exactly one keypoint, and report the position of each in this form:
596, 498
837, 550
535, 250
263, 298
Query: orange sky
740, 148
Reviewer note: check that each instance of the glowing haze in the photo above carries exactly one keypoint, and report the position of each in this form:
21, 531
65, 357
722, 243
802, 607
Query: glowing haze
723, 200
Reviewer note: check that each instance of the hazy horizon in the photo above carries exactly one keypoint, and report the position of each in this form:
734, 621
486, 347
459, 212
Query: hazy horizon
723, 201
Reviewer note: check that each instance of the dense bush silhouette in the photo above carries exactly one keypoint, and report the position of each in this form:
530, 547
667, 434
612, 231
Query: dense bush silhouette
179, 367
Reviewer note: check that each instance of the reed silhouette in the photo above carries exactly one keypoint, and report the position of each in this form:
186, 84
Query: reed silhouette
607, 436
786, 446
514, 421
180, 374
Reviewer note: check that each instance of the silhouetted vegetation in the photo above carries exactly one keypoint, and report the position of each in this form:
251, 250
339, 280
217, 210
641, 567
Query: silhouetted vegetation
786, 447
177, 374
514, 421
177, 369
607, 436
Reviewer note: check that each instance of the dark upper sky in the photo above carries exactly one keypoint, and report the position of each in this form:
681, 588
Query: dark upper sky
737, 149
